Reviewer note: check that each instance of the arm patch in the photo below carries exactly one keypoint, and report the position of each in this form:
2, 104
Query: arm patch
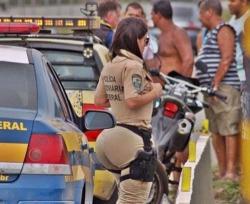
137, 82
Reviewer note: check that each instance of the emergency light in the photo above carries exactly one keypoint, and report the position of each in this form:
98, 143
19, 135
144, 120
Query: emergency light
22, 28
85, 23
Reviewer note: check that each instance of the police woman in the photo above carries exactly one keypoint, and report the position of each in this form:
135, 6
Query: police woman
127, 88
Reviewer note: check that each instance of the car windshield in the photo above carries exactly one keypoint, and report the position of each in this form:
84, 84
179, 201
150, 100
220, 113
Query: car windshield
17, 86
73, 71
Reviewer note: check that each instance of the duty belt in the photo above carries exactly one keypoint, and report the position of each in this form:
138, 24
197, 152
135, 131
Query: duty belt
144, 133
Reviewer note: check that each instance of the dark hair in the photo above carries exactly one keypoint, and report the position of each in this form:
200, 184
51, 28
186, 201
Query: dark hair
128, 31
107, 6
215, 5
164, 8
136, 6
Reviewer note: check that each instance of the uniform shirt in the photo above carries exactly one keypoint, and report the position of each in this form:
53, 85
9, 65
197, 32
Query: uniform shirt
238, 25
121, 79
211, 56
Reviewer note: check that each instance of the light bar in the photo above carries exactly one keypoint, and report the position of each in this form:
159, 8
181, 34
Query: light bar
22, 28
86, 23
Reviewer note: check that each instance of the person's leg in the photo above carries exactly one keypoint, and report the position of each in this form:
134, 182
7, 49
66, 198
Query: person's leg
218, 141
231, 155
133, 191
220, 151
181, 158
121, 147
230, 120
101, 154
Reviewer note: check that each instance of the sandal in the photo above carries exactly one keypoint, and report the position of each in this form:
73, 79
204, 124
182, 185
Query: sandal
232, 177
218, 176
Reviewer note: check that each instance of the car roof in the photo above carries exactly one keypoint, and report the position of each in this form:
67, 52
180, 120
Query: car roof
61, 41
20, 53
72, 42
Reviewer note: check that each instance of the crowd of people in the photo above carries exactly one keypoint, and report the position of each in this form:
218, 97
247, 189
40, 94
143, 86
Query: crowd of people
134, 52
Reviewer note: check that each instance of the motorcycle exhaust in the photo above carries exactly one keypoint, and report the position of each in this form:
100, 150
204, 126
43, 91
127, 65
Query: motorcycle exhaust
180, 139
184, 126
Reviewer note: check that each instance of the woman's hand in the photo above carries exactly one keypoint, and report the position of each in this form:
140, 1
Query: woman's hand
157, 89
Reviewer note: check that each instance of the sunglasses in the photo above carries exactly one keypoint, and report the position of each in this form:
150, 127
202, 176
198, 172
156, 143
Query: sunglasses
146, 41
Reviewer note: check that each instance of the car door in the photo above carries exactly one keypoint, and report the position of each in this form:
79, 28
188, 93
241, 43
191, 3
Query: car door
18, 109
75, 140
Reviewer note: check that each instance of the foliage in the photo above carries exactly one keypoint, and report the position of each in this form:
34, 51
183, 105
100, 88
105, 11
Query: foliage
226, 191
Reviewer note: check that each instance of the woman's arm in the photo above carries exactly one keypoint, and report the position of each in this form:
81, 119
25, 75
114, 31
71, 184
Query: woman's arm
144, 99
101, 98
102, 102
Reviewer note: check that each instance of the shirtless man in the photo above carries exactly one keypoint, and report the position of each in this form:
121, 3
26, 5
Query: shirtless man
174, 54
175, 49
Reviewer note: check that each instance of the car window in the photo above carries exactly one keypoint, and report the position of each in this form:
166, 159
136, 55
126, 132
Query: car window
59, 92
63, 97
59, 56
73, 71
18, 86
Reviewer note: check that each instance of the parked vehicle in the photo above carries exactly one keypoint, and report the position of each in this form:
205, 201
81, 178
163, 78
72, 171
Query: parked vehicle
44, 157
78, 60
175, 113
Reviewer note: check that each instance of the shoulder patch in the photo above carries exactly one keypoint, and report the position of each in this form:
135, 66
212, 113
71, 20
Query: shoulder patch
137, 81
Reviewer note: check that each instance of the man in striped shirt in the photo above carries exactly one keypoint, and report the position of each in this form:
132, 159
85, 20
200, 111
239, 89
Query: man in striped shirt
218, 53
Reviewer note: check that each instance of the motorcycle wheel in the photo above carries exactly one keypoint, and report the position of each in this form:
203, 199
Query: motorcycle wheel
159, 186
158, 189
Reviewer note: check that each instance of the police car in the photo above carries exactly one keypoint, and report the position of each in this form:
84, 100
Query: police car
78, 60
44, 155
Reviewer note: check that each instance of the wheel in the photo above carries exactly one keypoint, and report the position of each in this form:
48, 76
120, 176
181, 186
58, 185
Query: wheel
112, 200
159, 186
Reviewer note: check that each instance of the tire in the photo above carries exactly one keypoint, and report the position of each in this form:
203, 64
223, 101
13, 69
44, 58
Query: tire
159, 186
112, 200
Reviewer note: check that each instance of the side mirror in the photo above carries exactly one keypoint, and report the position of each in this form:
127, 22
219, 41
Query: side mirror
156, 105
96, 120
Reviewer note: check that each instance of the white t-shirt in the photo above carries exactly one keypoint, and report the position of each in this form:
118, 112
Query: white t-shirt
238, 25
151, 49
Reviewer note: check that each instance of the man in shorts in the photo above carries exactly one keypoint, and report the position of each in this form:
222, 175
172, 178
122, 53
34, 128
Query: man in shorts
218, 53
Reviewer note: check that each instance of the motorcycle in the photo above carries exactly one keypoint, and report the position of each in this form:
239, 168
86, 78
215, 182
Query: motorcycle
174, 115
